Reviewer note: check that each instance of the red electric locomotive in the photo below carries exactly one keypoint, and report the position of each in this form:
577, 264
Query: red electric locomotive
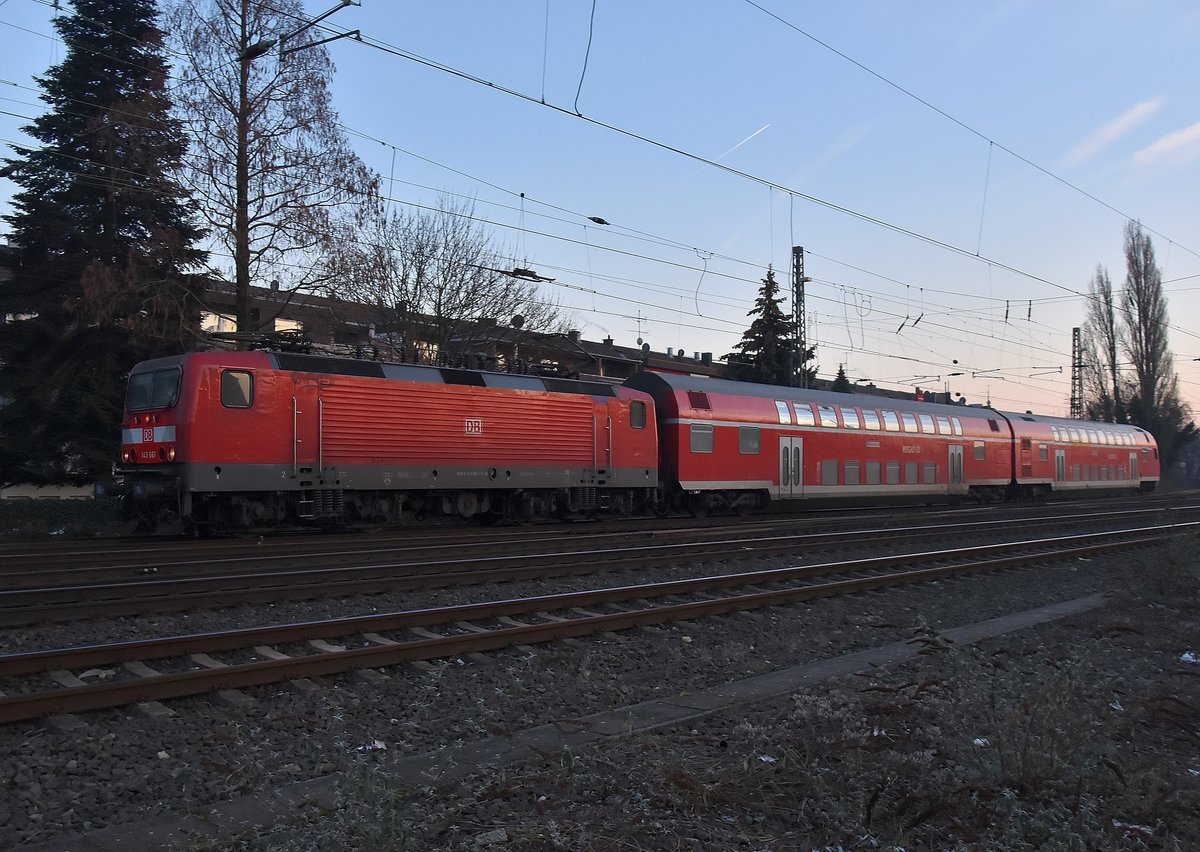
248, 439
735, 445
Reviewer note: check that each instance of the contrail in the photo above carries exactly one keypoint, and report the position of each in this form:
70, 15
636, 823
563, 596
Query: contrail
744, 141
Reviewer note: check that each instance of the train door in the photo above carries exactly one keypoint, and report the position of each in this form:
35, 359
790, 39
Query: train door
791, 467
955, 467
306, 427
1060, 465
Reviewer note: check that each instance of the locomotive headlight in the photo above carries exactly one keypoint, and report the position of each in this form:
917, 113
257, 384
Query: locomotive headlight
127, 456
170, 454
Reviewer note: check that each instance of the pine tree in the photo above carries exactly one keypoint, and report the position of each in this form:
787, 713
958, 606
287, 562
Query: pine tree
841, 383
768, 351
102, 235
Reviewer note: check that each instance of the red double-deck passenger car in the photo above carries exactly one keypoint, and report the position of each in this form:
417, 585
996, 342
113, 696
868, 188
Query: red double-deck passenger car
737, 445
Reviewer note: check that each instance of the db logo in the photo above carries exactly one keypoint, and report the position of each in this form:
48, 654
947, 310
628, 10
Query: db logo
473, 425
148, 435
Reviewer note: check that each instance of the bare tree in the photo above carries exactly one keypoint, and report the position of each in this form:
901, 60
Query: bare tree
1103, 335
436, 276
1154, 400
269, 163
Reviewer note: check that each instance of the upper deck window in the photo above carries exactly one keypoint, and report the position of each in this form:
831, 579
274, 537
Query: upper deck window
828, 416
850, 417
804, 414
785, 413
870, 419
891, 422
910, 421
154, 389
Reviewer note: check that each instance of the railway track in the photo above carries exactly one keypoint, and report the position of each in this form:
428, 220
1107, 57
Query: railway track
488, 626
87, 592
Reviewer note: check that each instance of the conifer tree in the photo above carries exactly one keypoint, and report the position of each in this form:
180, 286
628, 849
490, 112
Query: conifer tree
768, 351
102, 236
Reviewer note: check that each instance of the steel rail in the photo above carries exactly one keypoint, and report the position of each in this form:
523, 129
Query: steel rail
98, 696
25, 606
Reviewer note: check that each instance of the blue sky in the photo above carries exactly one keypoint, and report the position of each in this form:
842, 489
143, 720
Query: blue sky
954, 170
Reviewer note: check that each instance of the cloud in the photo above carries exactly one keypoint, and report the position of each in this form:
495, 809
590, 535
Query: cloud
1105, 135
1179, 145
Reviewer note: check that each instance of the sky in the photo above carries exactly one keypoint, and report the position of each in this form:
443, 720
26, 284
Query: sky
955, 171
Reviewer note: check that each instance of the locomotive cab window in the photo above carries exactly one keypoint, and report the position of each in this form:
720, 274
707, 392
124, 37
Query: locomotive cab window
237, 389
156, 389
637, 415
702, 438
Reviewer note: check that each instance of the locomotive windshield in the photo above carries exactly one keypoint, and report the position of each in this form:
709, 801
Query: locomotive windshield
153, 389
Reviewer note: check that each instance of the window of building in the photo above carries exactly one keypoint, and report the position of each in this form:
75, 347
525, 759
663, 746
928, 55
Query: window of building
748, 440
237, 389
702, 438
637, 415
828, 416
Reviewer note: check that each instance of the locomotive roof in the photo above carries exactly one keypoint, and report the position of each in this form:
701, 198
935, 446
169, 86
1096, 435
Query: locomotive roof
654, 383
437, 375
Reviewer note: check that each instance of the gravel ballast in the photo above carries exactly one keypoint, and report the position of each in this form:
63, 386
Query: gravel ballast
890, 757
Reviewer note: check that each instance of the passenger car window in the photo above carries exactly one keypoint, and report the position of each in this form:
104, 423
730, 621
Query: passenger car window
910, 421
891, 422
850, 417
702, 438
870, 419
748, 440
237, 389
785, 413
637, 415
828, 416
804, 414
927, 423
